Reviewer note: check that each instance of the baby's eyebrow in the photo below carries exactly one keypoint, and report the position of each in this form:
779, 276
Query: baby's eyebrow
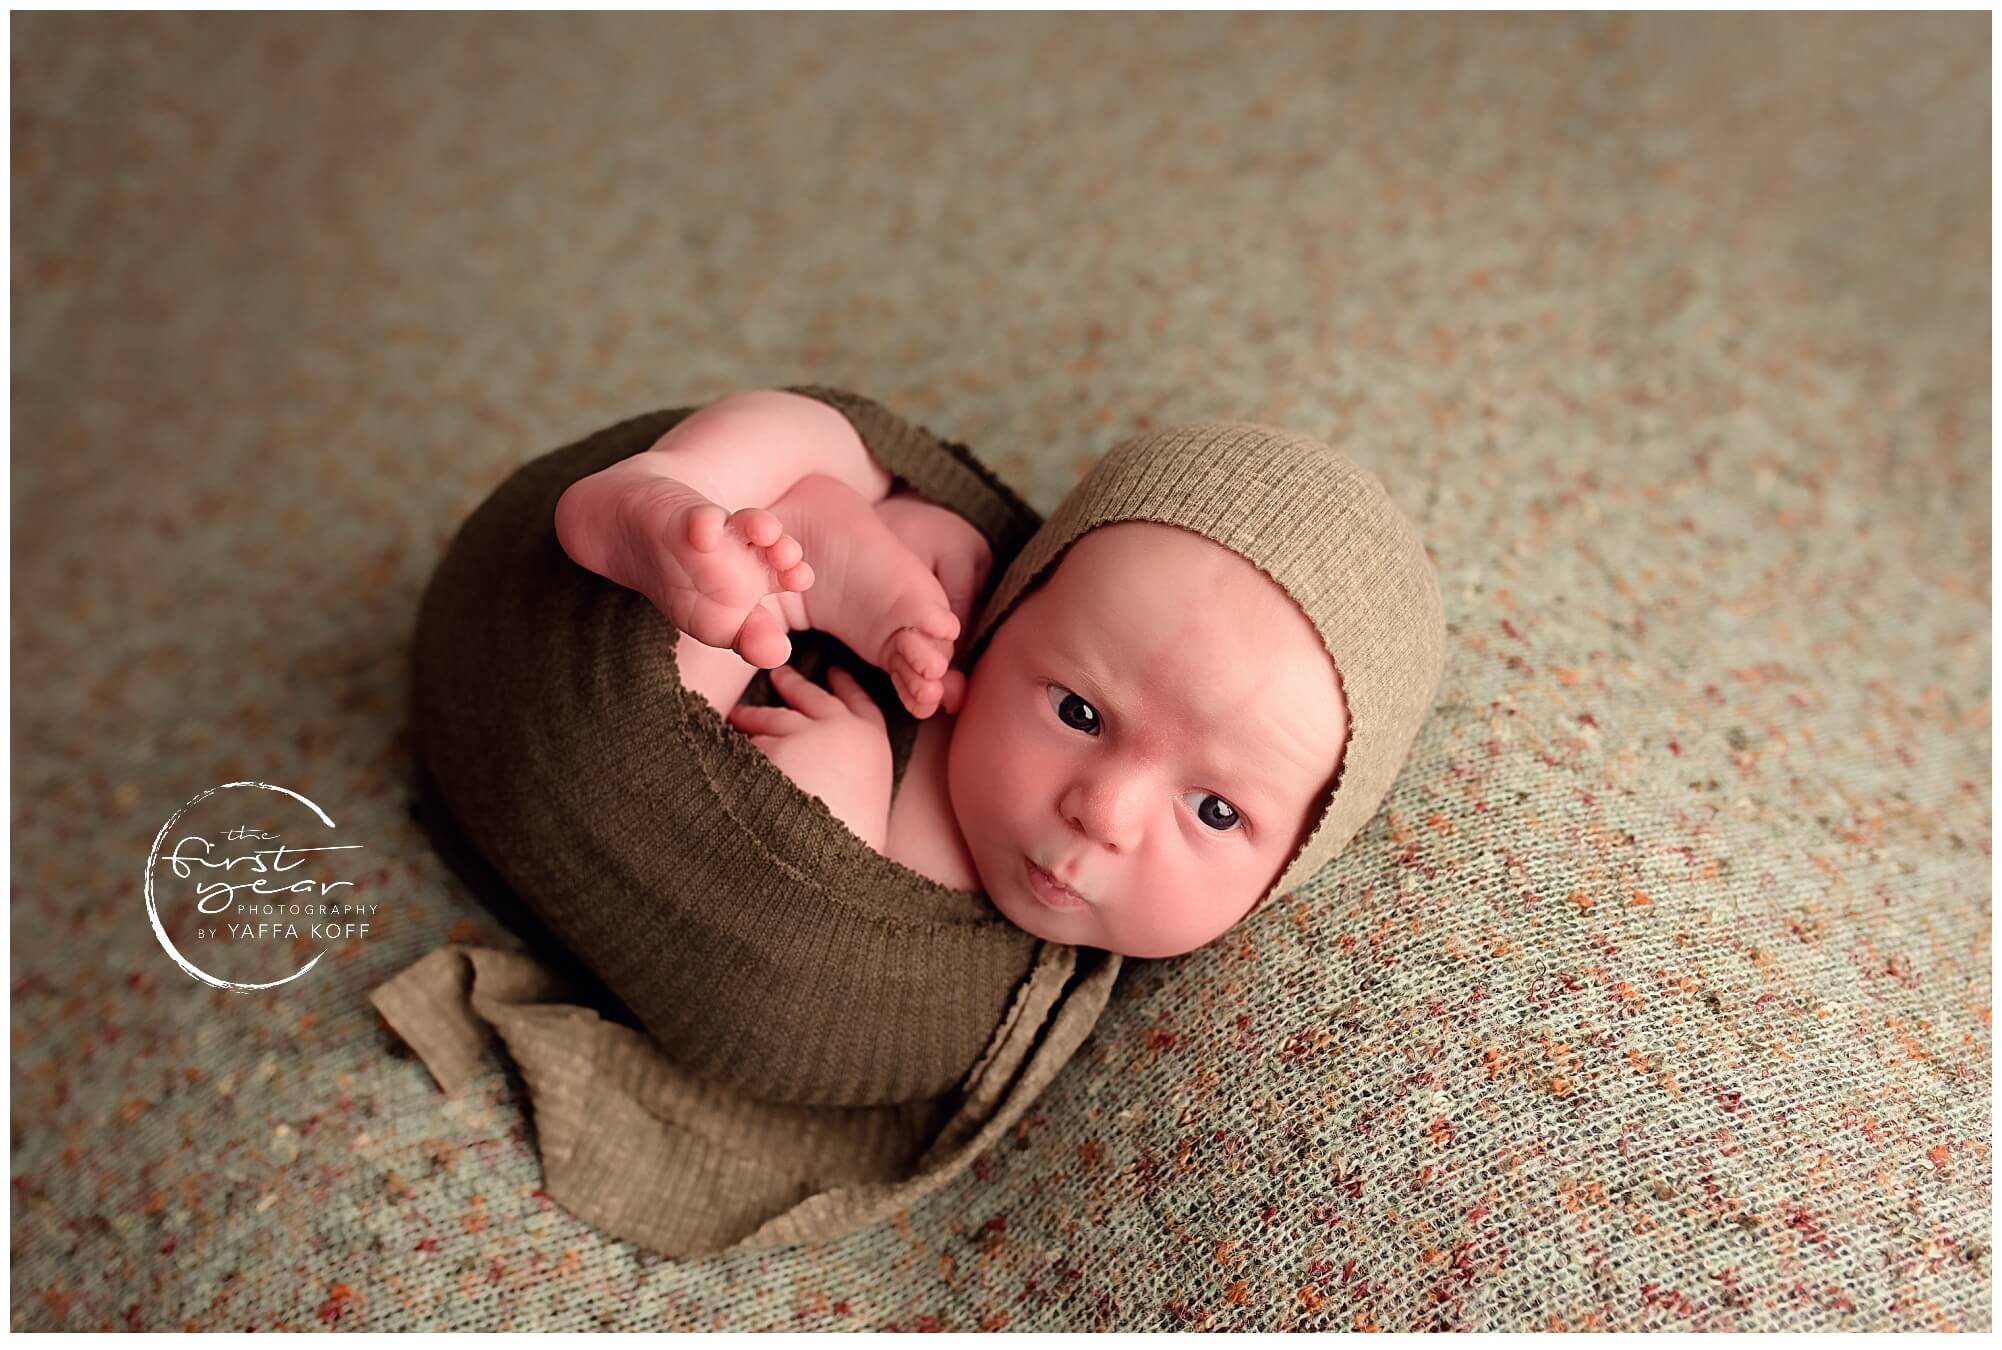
1241, 777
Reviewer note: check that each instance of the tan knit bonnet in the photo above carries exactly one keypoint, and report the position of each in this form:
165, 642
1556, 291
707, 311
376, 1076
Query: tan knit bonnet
1326, 531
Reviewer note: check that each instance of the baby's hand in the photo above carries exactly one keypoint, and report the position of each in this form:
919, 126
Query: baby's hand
957, 553
835, 746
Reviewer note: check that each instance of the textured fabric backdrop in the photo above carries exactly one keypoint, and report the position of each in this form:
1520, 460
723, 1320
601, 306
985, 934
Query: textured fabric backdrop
1658, 995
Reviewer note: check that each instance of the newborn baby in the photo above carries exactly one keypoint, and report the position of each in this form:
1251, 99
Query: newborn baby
1132, 761
1189, 689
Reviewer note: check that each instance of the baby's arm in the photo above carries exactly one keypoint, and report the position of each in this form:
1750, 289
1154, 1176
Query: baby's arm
831, 742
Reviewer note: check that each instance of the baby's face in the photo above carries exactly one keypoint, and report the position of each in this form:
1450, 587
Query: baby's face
1154, 725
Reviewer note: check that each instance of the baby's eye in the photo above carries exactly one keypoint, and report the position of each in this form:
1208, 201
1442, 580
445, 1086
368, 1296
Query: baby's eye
1223, 819
1074, 712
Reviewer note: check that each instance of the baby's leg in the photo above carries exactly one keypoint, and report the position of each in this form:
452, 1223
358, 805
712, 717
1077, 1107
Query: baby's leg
749, 448
685, 522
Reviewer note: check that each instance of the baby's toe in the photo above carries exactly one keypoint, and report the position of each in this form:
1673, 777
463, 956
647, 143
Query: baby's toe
899, 671
925, 697
705, 526
784, 552
919, 694
762, 640
758, 525
952, 692
923, 653
797, 577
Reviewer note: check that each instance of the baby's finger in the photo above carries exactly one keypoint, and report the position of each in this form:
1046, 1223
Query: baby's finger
756, 719
850, 691
802, 693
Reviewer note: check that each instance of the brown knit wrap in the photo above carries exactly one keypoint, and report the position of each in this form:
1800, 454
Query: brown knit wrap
829, 1036
756, 938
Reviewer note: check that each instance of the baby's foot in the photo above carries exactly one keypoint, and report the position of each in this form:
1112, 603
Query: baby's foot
871, 591
708, 567
957, 553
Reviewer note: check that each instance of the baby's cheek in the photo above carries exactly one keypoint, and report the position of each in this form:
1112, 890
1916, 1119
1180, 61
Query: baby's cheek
970, 773
1146, 921
1219, 910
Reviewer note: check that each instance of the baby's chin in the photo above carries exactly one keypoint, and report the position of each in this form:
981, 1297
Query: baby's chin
1009, 892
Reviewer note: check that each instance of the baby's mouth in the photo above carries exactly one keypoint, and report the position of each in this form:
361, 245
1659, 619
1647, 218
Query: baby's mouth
1053, 892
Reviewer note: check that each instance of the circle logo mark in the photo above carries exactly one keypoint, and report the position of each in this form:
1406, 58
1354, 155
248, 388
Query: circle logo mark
252, 886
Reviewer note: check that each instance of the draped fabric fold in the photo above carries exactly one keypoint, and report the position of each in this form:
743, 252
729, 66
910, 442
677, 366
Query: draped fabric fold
645, 1151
